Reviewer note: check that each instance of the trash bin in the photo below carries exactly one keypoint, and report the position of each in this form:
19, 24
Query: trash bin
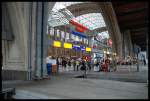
54, 68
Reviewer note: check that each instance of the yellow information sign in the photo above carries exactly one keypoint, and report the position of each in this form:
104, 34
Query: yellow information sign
57, 44
88, 49
68, 45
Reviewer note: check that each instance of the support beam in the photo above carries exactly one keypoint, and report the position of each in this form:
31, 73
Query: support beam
135, 15
131, 7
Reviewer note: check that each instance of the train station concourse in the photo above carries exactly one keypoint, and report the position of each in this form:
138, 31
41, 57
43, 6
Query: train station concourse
89, 50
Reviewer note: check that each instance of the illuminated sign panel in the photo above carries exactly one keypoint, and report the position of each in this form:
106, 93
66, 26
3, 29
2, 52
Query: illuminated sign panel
68, 45
76, 47
57, 44
82, 48
88, 49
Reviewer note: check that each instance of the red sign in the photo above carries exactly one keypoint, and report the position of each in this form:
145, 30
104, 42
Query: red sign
78, 25
80, 29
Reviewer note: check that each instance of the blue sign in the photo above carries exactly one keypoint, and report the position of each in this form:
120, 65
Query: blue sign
76, 47
82, 48
79, 34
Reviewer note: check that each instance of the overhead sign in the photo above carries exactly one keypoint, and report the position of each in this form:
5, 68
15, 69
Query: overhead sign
79, 34
76, 47
88, 49
57, 44
82, 48
68, 45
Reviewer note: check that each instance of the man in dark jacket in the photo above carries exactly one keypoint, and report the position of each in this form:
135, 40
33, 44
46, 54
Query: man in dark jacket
83, 68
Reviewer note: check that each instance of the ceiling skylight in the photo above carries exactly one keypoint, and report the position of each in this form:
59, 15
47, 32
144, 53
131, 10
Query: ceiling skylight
91, 20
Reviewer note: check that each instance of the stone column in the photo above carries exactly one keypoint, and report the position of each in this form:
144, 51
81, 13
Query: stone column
112, 24
15, 52
26, 53
128, 42
41, 37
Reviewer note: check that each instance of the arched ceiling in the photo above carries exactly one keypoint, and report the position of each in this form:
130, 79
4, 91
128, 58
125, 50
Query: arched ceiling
84, 8
79, 9
133, 16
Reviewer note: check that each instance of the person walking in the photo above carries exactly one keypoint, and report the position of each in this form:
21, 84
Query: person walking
89, 65
74, 65
144, 62
77, 64
64, 63
49, 66
83, 68
107, 63
68, 65
57, 62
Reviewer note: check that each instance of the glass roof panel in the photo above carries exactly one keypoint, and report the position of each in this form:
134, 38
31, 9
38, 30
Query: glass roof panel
94, 20
61, 5
63, 15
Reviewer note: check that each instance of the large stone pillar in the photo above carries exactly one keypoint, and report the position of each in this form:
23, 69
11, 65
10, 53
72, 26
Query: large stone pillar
128, 47
24, 56
15, 52
112, 24
42, 13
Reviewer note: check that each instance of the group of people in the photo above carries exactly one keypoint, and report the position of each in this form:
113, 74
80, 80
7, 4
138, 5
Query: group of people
105, 65
68, 63
55, 63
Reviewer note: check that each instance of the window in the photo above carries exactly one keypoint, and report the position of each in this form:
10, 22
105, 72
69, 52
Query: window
67, 35
51, 32
62, 35
58, 33
72, 37
91, 20
80, 39
85, 40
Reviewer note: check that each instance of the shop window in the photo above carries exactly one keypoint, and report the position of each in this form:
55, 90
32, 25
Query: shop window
62, 35
58, 33
51, 31
67, 35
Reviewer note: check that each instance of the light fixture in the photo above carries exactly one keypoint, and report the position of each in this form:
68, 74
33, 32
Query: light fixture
107, 52
104, 52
